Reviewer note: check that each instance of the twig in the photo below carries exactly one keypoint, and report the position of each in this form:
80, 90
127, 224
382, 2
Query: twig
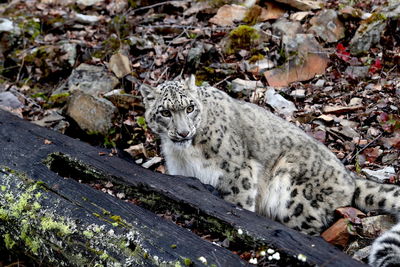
362, 149
150, 6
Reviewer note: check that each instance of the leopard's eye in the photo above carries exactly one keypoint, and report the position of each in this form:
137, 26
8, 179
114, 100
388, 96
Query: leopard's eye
166, 113
190, 109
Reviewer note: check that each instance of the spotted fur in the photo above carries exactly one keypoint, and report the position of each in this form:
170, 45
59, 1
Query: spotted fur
256, 159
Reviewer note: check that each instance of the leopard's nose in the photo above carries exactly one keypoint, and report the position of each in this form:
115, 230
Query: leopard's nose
183, 134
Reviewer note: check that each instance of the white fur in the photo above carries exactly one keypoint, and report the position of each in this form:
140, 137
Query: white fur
185, 159
274, 197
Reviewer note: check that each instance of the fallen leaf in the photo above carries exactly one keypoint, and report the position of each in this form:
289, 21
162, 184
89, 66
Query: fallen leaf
372, 153
353, 214
47, 142
392, 141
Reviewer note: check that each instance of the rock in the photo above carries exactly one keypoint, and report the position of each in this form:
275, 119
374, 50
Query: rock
70, 52
299, 16
279, 103
121, 99
120, 65
239, 85
92, 80
273, 11
91, 113
228, 14
86, 19
88, 2
298, 93
381, 174
367, 35
320, 83
194, 55
6, 25
349, 11
357, 72
374, 226
362, 254
53, 120
337, 234
303, 4
285, 27
369, 32
8, 99
327, 26
309, 60
259, 66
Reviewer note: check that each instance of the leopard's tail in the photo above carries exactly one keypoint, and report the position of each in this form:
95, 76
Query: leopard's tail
370, 195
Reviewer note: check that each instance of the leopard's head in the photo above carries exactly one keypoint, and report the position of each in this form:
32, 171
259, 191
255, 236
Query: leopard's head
173, 110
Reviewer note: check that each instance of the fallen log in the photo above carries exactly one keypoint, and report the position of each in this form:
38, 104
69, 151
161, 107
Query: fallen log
48, 214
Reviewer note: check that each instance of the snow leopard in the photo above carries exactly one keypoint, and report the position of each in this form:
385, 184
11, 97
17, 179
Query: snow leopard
258, 160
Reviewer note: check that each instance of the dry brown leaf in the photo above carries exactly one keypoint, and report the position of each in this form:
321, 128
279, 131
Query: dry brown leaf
372, 153
47, 142
392, 141
353, 214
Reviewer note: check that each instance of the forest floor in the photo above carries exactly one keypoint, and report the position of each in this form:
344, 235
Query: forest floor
308, 64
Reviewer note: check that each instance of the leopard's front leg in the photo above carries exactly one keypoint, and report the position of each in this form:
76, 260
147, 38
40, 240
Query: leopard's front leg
240, 185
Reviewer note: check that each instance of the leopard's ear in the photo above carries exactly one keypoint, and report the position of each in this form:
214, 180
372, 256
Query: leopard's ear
191, 82
149, 94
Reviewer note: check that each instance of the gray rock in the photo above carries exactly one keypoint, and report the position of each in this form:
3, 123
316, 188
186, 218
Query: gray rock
303, 4
279, 103
367, 35
6, 25
359, 72
89, 79
327, 26
381, 174
86, 19
284, 27
70, 52
298, 93
194, 54
376, 225
91, 113
53, 120
88, 2
362, 253
8, 99
239, 85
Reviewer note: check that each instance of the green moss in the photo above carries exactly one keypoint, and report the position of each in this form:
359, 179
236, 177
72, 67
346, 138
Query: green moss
256, 58
8, 241
59, 226
187, 262
242, 37
59, 99
3, 188
252, 15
